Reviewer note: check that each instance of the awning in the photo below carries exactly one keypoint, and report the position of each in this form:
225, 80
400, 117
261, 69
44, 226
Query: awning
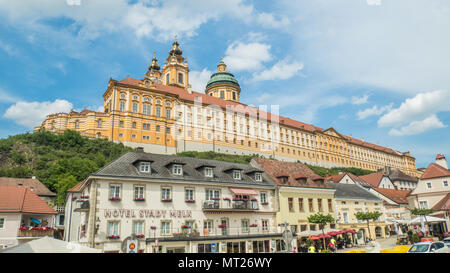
243, 191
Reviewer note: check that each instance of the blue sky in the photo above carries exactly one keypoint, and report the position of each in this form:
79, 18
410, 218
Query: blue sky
375, 69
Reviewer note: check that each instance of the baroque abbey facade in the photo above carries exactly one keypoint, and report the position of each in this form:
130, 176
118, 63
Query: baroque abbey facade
164, 115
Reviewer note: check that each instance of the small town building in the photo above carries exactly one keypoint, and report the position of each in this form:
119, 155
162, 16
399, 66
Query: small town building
176, 204
353, 198
299, 193
24, 216
433, 192
41, 190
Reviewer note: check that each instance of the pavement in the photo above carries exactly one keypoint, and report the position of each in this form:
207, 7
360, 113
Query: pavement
374, 246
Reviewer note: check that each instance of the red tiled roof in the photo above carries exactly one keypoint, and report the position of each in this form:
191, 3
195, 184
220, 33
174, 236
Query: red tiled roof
434, 170
274, 167
252, 111
32, 183
443, 204
76, 188
373, 179
22, 199
398, 196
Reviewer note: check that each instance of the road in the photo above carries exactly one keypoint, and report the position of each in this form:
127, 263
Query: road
375, 246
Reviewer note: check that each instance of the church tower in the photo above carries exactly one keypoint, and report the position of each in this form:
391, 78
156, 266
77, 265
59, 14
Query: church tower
153, 74
223, 84
176, 70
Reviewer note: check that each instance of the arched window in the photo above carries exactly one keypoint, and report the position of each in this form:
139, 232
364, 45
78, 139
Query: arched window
122, 106
168, 113
135, 107
167, 78
180, 77
99, 123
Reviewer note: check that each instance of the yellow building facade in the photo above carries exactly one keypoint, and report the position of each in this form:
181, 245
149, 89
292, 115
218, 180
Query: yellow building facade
163, 114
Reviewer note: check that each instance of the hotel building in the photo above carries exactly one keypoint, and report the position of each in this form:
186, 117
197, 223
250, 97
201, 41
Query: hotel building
175, 204
164, 115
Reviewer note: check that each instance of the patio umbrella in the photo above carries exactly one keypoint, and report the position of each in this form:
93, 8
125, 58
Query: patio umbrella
430, 219
314, 238
326, 236
36, 221
333, 233
50, 245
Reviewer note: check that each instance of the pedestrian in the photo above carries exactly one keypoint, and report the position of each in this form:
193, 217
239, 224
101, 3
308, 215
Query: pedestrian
311, 249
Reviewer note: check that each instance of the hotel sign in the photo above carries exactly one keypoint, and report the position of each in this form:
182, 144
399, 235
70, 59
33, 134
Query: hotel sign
147, 213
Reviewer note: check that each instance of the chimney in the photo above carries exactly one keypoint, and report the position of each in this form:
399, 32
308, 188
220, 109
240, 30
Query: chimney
140, 149
441, 161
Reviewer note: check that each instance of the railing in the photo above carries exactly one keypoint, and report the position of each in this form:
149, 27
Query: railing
36, 233
230, 205
213, 232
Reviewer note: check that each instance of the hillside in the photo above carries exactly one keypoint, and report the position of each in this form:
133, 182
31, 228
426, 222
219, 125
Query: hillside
58, 161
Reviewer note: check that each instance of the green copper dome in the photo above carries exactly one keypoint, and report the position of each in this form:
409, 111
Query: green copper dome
222, 78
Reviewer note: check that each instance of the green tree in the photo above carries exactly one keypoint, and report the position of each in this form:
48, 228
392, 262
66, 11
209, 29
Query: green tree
322, 220
367, 216
422, 212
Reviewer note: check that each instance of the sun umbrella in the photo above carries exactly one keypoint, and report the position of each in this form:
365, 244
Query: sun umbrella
333, 233
314, 238
326, 236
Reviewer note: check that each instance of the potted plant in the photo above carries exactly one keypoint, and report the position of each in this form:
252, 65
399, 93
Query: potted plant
113, 198
190, 201
253, 225
254, 199
140, 236
152, 227
167, 200
222, 226
185, 226
139, 199
215, 198
113, 236
227, 199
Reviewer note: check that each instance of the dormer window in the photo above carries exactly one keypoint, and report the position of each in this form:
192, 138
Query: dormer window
258, 177
237, 175
283, 179
208, 172
145, 167
177, 170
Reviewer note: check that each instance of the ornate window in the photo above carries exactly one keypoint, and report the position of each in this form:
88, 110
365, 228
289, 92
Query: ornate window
122, 106
180, 77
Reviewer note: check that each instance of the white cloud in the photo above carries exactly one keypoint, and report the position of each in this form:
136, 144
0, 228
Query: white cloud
31, 114
387, 46
6, 97
418, 127
198, 79
282, 70
152, 19
247, 56
10, 50
359, 100
417, 108
373, 111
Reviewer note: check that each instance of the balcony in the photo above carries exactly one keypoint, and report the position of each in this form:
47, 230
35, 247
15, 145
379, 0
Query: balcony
82, 206
230, 205
36, 233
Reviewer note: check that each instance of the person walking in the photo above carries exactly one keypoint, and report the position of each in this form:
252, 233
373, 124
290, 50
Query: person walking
312, 249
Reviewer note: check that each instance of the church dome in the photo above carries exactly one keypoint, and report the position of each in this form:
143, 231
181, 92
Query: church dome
222, 78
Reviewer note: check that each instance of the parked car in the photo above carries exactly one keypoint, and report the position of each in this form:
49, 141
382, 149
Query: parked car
429, 247
447, 241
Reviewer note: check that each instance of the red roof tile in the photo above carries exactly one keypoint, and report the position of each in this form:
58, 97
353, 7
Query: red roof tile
32, 183
443, 204
274, 167
434, 170
398, 196
22, 199
76, 188
373, 179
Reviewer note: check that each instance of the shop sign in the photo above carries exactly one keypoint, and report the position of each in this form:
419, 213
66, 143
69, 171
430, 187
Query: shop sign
146, 213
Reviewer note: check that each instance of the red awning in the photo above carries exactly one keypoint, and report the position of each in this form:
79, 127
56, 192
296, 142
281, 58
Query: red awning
243, 191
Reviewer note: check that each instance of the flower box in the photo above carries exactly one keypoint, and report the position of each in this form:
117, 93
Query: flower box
227, 199
265, 203
84, 197
253, 225
254, 199
139, 199
140, 236
113, 236
240, 199
222, 226
166, 200
114, 198
185, 226
190, 201
152, 227
215, 198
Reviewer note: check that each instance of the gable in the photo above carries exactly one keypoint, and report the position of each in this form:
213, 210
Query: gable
332, 132
347, 180
386, 183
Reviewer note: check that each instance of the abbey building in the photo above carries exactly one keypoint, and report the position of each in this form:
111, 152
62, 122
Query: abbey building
164, 115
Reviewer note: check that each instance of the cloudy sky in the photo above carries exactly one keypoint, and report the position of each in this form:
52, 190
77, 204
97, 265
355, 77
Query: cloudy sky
375, 69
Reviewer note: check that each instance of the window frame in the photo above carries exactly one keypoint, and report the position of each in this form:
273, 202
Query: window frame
206, 172
145, 163
176, 167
